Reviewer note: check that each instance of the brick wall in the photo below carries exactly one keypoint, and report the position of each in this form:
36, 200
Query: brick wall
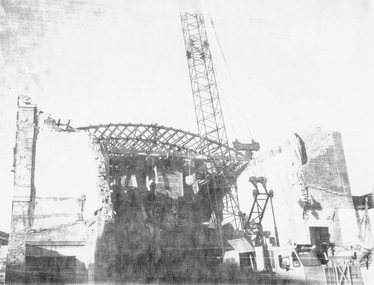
307, 194
326, 167
24, 160
60, 182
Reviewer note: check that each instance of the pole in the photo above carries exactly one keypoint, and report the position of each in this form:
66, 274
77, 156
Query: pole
275, 224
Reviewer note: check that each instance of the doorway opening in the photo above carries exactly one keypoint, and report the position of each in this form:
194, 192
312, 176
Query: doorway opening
320, 237
51, 269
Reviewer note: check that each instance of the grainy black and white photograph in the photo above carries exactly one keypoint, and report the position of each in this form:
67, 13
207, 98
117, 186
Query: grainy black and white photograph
187, 142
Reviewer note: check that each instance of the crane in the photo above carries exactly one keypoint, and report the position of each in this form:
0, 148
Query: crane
209, 116
211, 125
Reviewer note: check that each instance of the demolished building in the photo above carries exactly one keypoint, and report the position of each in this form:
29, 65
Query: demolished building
131, 202
110, 202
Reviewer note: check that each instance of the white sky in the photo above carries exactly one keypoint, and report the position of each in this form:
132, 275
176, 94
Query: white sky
294, 64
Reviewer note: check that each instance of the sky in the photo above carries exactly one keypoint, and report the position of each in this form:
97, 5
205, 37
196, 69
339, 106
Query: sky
282, 67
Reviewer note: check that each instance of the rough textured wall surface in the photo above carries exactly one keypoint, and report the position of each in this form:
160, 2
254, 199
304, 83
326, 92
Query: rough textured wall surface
23, 185
60, 183
25, 151
309, 177
326, 167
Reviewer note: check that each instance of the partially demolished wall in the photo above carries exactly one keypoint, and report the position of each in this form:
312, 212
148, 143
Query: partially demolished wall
59, 184
309, 177
81, 215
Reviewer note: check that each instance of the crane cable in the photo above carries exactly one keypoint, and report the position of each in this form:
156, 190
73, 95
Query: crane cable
229, 72
235, 91
259, 162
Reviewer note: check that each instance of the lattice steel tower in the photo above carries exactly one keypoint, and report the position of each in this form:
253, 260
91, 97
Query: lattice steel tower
208, 109
209, 114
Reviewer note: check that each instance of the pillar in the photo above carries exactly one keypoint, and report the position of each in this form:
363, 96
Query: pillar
24, 190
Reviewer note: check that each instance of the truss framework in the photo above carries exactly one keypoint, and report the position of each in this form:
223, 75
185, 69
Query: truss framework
208, 109
143, 139
253, 224
125, 139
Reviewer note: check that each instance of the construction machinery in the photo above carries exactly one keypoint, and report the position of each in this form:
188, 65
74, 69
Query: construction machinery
211, 124
255, 249
209, 116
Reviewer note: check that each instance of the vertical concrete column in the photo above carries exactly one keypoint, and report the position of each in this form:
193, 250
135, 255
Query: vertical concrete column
24, 190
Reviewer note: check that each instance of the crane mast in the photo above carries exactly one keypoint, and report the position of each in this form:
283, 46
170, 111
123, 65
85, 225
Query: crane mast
209, 116
207, 103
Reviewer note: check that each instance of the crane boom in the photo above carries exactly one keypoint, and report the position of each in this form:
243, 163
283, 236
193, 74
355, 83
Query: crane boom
209, 115
211, 125
207, 103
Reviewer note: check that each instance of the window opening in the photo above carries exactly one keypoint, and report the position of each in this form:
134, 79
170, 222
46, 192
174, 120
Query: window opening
284, 261
308, 257
295, 260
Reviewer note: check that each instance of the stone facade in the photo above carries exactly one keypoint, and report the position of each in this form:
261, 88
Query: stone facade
60, 193
309, 177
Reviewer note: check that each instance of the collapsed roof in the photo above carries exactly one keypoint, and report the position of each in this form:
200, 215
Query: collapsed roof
155, 140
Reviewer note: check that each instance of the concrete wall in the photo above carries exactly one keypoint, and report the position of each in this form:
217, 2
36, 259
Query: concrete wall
59, 186
308, 175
